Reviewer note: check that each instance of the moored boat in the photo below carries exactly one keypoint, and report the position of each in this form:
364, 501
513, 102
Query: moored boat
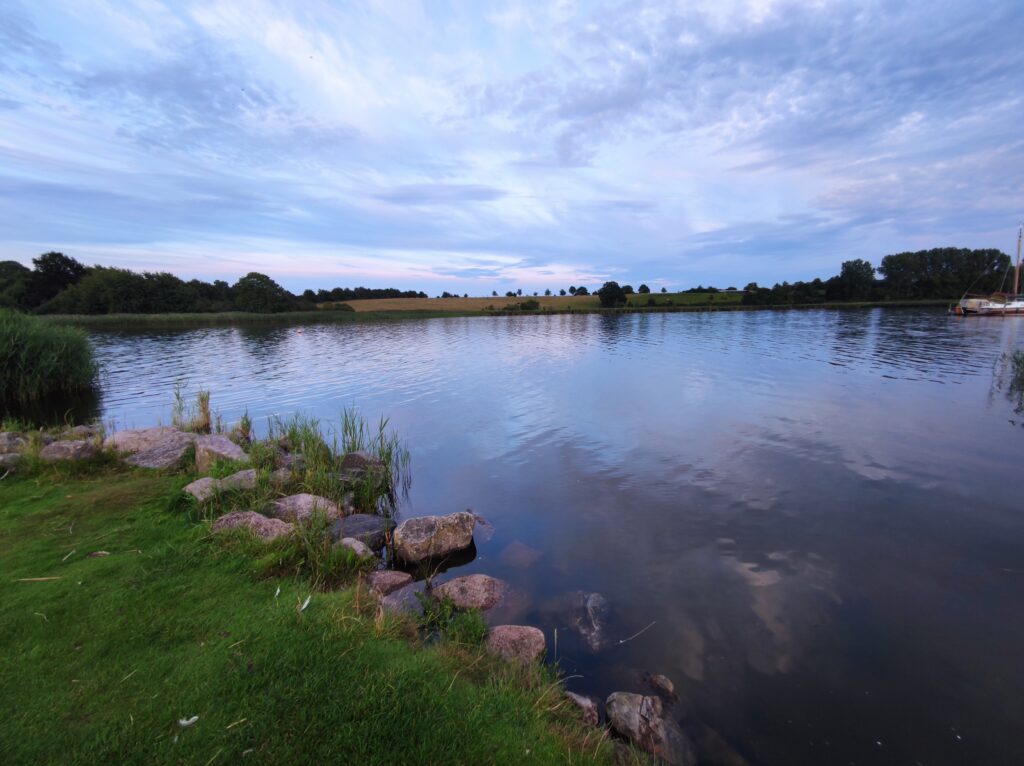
995, 304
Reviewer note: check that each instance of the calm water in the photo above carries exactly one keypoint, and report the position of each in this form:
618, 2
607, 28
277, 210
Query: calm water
819, 512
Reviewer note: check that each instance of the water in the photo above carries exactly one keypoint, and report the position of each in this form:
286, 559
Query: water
818, 511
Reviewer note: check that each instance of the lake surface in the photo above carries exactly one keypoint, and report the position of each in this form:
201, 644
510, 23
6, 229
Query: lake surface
812, 518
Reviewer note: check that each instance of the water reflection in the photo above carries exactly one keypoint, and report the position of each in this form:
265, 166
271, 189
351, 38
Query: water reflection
816, 510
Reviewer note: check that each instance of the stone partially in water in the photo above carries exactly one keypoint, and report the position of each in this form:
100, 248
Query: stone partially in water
664, 686
360, 461
166, 450
214, 447
71, 450
641, 720
516, 643
433, 536
404, 599
358, 547
475, 591
257, 523
371, 530
387, 581
301, 507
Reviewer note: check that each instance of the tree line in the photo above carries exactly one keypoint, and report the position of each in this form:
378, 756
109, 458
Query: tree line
58, 284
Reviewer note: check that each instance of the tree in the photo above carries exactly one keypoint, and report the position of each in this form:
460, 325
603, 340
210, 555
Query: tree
572, 289
14, 279
664, 290
494, 293
582, 291
628, 289
519, 291
547, 292
53, 273
611, 295
510, 294
643, 289
260, 294
856, 280
562, 291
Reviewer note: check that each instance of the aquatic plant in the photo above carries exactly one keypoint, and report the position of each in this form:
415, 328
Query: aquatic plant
40, 359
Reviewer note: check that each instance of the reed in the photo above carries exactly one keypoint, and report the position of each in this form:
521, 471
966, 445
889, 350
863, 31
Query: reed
40, 359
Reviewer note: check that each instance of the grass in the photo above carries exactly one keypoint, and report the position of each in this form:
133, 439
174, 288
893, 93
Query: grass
39, 359
102, 656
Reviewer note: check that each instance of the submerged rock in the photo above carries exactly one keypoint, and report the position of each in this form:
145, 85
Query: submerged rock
214, 447
371, 530
166, 452
387, 581
641, 719
587, 707
664, 686
589, 617
257, 523
516, 643
475, 591
301, 507
433, 536
70, 450
358, 547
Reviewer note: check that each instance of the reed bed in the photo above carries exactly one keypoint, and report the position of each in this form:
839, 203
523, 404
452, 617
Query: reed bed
39, 359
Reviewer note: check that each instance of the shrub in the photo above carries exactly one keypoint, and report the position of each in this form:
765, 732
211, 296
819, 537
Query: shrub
39, 359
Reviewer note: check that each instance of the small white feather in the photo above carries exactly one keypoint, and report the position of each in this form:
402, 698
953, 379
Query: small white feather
186, 722
278, 593
305, 604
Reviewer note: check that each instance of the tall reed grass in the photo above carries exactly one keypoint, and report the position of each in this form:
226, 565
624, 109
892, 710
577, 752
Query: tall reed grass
39, 359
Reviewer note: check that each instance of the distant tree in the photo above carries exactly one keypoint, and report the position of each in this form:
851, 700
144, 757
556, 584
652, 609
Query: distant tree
14, 279
572, 290
52, 273
944, 272
534, 293
259, 293
510, 294
494, 293
582, 291
465, 295
562, 291
730, 289
611, 295
628, 289
643, 289
856, 280
664, 289
309, 295
519, 291
547, 292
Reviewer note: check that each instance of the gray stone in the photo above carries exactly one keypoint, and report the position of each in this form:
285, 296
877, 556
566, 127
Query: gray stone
11, 441
475, 591
80, 432
371, 530
214, 447
641, 720
360, 461
240, 481
168, 452
387, 581
432, 536
281, 476
71, 450
404, 599
138, 439
590, 618
516, 643
9, 460
301, 507
293, 462
358, 547
203, 489
258, 524
587, 707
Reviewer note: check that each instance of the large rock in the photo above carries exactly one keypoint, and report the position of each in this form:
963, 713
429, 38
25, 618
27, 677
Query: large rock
589, 616
641, 719
138, 439
9, 461
301, 507
167, 452
371, 530
405, 599
240, 481
476, 591
587, 707
361, 462
358, 547
11, 442
518, 643
203, 489
387, 581
214, 447
433, 536
71, 450
257, 523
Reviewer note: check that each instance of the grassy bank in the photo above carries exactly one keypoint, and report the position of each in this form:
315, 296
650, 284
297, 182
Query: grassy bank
39, 359
102, 656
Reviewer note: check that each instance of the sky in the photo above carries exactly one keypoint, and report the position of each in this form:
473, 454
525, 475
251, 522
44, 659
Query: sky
471, 146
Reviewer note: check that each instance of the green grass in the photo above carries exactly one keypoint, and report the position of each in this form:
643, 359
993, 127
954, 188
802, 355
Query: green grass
721, 299
100, 664
39, 359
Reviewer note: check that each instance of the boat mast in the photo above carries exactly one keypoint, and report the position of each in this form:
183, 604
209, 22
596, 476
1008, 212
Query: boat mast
1016, 271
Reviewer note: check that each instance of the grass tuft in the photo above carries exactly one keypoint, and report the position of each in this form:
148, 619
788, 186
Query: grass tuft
39, 359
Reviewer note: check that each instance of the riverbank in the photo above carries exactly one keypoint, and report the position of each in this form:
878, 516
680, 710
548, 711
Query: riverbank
131, 634
501, 307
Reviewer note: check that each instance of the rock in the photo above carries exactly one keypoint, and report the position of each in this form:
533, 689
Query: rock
387, 581
11, 441
371, 530
358, 547
475, 591
139, 439
433, 536
79, 432
214, 447
665, 688
516, 643
257, 523
203, 489
281, 476
516, 554
293, 463
641, 720
590, 618
587, 707
301, 507
360, 461
9, 460
167, 452
240, 481
73, 450
404, 599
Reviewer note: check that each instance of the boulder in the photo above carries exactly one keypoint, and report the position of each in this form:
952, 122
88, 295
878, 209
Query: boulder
404, 599
9, 461
358, 547
280, 476
11, 442
71, 450
387, 581
203, 489
240, 481
589, 617
139, 439
80, 432
641, 720
167, 452
664, 687
433, 536
294, 462
371, 530
475, 591
257, 523
355, 462
587, 707
516, 643
214, 447
301, 507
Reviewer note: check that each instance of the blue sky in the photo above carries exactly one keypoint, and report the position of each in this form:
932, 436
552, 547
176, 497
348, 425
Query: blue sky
472, 145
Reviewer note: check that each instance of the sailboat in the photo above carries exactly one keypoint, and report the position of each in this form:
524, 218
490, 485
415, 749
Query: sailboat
996, 304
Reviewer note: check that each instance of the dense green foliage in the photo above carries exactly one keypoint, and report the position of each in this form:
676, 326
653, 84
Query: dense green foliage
611, 295
39, 359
